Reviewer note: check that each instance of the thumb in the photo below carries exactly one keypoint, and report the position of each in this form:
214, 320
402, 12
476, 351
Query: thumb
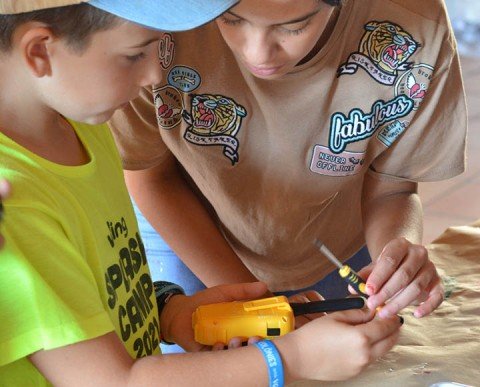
365, 271
239, 292
354, 316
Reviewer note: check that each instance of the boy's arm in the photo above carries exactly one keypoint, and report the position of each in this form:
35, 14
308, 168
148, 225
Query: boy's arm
392, 214
103, 360
173, 209
4, 192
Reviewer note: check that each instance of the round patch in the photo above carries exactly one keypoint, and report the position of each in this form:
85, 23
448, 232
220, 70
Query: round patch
184, 78
414, 83
169, 106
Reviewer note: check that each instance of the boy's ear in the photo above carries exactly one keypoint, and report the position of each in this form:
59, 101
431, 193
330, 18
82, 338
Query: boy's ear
34, 43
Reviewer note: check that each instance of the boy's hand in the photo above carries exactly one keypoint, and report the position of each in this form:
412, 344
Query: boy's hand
176, 321
4, 192
403, 275
339, 345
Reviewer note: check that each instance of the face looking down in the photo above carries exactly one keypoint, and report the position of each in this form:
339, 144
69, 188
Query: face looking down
270, 37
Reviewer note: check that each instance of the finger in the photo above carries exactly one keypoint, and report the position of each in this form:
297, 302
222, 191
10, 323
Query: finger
299, 298
364, 273
386, 264
354, 316
313, 295
378, 329
416, 258
253, 340
306, 296
237, 292
435, 298
416, 290
235, 342
384, 345
218, 347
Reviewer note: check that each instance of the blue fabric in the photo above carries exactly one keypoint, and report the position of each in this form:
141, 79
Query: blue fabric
166, 266
166, 15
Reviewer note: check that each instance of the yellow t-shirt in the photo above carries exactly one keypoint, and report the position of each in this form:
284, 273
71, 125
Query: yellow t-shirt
73, 267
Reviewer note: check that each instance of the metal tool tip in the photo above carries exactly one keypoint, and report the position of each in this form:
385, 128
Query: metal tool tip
318, 243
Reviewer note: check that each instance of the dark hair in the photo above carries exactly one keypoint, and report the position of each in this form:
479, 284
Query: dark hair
75, 23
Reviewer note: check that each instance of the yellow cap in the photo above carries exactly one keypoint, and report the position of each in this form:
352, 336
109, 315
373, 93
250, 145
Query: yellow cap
19, 6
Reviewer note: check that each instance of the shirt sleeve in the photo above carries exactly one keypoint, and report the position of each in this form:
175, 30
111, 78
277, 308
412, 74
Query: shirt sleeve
137, 135
433, 145
49, 295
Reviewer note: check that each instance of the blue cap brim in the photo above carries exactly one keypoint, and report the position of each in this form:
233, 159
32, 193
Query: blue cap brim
166, 15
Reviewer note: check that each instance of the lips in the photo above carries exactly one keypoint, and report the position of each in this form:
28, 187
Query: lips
264, 71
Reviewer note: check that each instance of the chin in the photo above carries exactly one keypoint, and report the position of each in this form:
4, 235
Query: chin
97, 119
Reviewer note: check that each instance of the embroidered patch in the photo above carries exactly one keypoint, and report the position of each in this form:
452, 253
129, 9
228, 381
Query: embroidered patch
414, 83
359, 125
166, 50
325, 162
390, 133
384, 50
215, 120
169, 106
184, 78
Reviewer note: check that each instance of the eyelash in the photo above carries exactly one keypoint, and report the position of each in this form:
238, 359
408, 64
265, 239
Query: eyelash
235, 22
136, 58
231, 22
294, 32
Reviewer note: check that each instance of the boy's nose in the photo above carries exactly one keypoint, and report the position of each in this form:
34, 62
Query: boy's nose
153, 75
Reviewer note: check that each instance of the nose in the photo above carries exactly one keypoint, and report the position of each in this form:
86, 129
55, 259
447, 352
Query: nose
258, 48
152, 73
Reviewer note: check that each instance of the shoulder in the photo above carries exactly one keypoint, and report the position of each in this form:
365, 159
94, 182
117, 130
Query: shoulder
433, 10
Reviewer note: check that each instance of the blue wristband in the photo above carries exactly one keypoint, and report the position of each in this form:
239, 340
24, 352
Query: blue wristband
274, 362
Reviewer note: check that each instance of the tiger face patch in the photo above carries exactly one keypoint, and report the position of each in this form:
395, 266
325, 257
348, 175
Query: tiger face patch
215, 120
384, 50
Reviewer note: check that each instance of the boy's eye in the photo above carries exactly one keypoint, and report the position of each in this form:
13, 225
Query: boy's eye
136, 57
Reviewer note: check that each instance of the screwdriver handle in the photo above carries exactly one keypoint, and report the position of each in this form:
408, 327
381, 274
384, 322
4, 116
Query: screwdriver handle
325, 306
352, 278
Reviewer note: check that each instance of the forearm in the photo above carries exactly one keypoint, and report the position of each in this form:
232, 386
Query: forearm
179, 217
103, 361
390, 211
239, 367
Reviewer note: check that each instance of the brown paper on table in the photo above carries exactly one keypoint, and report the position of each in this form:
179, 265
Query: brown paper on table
442, 347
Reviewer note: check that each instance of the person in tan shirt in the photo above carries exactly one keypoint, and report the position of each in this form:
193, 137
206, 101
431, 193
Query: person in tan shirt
77, 305
287, 121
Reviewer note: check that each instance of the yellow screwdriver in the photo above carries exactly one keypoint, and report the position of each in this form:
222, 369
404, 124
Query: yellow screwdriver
345, 271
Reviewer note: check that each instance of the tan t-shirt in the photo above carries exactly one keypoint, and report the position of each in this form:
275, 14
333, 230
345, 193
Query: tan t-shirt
282, 162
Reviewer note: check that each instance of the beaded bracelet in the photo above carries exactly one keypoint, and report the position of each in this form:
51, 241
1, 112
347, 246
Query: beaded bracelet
274, 362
